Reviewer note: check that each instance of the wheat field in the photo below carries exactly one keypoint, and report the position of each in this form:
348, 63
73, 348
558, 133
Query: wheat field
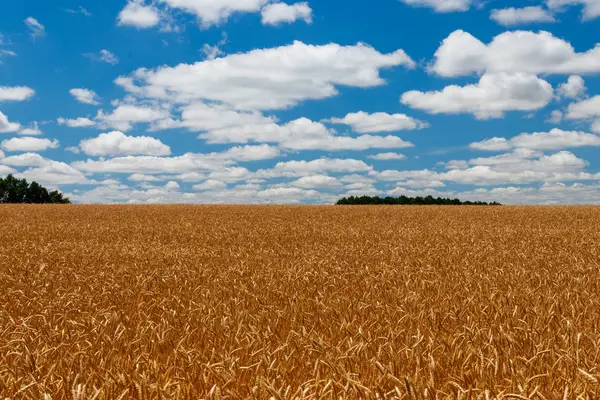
286, 302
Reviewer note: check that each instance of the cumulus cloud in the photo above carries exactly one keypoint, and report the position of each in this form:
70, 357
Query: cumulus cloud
118, 144
316, 182
574, 88
85, 96
210, 184
520, 16
518, 167
388, 156
267, 79
103, 56
591, 8
512, 51
28, 144
588, 108
34, 27
15, 93
27, 160
126, 115
279, 13
187, 163
302, 167
55, 173
32, 130
210, 12
490, 98
138, 14
223, 124
76, 123
555, 139
6, 126
363, 122
442, 6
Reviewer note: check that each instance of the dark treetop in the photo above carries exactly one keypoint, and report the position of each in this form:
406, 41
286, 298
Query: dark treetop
404, 200
13, 190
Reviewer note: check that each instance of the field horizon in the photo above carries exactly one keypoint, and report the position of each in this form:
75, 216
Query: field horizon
299, 302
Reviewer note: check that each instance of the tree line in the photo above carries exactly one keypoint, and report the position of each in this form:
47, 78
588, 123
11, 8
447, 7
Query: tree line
413, 201
18, 191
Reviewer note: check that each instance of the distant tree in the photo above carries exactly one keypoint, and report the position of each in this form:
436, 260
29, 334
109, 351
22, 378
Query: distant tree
404, 200
16, 191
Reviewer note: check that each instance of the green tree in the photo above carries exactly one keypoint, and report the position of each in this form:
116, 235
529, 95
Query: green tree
404, 200
13, 190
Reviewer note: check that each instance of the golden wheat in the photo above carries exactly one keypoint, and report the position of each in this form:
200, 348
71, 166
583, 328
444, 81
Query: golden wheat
184, 302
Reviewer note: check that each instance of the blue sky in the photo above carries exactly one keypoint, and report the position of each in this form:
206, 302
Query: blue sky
265, 101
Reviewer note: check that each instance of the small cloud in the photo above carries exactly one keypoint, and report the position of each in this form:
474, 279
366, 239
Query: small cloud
136, 13
85, 96
103, 56
33, 130
555, 117
80, 10
73, 149
212, 52
35, 28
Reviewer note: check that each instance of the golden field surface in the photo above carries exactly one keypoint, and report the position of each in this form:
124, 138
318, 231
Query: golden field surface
236, 302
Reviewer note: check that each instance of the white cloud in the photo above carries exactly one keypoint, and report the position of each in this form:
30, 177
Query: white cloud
588, 108
247, 153
33, 130
108, 57
126, 115
172, 185
35, 28
25, 144
85, 96
137, 13
596, 126
118, 144
591, 8
55, 173
27, 160
215, 163
512, 51
490, 98
316, 182
143, 178
6, 126
338, 143
15, 93
363, 122
519, 16
278, 13
5, 170
302, 167
76, 123
103, 56
222, 124
210, 12
574, 88
211, 184
388, 156
79, 10
556, 139
555, 117
493, 144
442, 6
274, 78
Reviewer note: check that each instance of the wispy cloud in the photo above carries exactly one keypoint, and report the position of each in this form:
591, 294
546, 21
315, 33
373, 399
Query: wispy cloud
103, 56
80, 10
36, 29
